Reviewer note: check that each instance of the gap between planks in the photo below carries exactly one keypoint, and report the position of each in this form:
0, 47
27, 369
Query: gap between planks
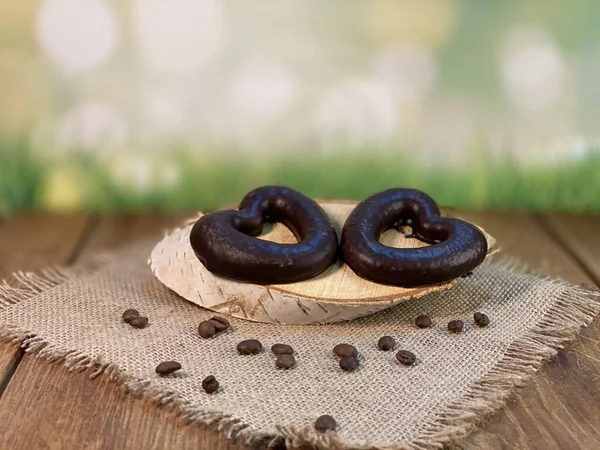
13, 356
155, 429
555, 228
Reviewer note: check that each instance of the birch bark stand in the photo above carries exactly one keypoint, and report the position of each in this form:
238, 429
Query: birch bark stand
334, 296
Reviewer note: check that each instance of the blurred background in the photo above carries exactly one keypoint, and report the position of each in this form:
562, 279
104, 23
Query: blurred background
188, 104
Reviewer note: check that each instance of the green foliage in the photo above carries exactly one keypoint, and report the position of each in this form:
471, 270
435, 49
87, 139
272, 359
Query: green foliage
211, 182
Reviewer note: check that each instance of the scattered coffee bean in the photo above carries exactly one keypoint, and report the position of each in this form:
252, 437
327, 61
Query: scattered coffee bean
249, 347
138, 322
481, 319
386, 343
206, 329
325, 423
285, 361
167, 367
282, 349
342, 350
210, 384
349, 363
130, 314
220, 323
466, 275
219, 326
406, 358
423, 321
456, 326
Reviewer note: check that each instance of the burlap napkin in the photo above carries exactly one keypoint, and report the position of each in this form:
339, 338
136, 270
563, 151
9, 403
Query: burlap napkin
75, 315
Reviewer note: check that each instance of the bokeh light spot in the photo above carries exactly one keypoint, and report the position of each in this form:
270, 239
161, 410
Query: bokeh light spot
533, 70
408, 69
92, 125
357, 112
179, 36
77, 35
262, 91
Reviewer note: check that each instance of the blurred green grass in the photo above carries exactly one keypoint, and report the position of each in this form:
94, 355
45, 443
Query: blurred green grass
207, 181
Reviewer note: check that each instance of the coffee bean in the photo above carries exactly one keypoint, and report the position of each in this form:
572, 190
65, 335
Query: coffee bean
325, 423
481, 319
285, 361
282, 349
342, 350
423, 321
466, 275
386, 343
210, 384
220, 323
249, 347
130, 314
138, 322
456, 326
206, 329
406, 358
167, 367
349, 363
219, 326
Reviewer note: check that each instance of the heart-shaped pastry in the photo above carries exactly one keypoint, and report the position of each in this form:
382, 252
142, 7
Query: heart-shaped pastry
224, 240
457, 247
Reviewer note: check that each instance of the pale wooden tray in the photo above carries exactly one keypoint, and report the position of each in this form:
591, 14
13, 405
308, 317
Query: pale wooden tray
336, 295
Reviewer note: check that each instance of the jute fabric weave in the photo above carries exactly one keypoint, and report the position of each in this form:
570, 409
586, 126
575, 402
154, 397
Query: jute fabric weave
74, 315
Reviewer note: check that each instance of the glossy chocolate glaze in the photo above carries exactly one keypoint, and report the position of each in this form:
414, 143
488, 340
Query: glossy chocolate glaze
223, 240
456, 246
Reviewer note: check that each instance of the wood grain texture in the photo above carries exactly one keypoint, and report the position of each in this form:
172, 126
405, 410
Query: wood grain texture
30, 242
34, 241
559, 408
46, 407
580, 235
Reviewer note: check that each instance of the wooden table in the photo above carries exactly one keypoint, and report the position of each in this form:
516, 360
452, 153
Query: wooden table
44, 406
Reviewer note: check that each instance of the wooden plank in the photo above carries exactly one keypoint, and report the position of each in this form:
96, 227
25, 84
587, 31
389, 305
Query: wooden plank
30, 242
581, 235
49, 407
560, 407
34, 241
520, 236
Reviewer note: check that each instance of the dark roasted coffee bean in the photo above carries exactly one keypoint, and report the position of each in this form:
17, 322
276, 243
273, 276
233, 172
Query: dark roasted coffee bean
406, 358
219, 326
210, 384
423, 321
467, 275
342, 350
206, 329
222, 320
481, 319
285, 361
349, 363
386, 343
249, 347
167, 367
325, 423
138, 322
129, 314
282, 349
456, 326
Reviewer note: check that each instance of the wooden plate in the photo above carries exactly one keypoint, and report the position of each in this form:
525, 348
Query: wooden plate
336, 295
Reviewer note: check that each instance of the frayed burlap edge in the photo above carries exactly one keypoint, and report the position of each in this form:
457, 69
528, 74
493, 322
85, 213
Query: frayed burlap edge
574, 309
